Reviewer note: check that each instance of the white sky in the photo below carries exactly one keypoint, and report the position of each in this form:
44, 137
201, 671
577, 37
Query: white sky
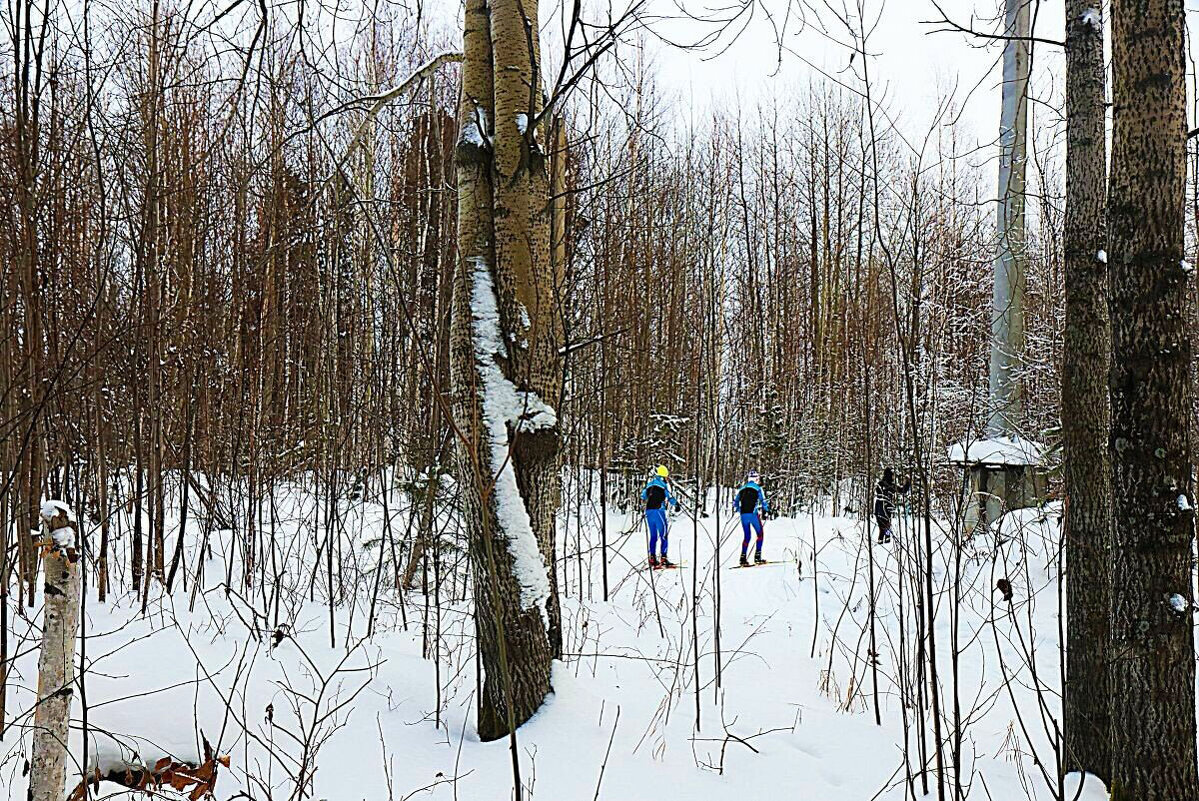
913, 65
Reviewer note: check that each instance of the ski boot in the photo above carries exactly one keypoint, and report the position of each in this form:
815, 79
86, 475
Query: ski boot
664, 562
744, 561
653, 560
758, 560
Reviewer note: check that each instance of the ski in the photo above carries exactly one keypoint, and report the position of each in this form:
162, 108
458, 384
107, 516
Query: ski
760, 564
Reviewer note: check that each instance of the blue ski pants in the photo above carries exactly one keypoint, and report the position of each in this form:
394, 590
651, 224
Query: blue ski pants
751, 522
655, 519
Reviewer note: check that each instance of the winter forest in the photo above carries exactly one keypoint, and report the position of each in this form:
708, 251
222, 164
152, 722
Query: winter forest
578, 401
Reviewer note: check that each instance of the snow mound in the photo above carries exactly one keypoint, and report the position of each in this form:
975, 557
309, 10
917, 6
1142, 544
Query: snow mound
1037, 527
1084, 787
997, 452
108, 752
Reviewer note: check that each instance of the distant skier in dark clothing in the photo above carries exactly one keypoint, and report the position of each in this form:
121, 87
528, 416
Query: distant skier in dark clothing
750, 502
656, 496
884, 502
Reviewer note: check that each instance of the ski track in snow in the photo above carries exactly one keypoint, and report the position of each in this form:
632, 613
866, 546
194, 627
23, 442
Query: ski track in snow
814, 735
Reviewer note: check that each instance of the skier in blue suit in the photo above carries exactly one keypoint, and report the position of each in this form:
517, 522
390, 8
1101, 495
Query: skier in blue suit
750, 501
656, 495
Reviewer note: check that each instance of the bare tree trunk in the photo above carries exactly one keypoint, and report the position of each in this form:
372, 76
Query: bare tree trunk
1152, 648
527, 275
56, 665
504, 361
1085, 406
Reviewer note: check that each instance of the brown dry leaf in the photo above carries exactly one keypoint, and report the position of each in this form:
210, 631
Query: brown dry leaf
162, 764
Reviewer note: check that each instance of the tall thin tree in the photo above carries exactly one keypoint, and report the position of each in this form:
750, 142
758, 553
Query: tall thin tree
1085, 406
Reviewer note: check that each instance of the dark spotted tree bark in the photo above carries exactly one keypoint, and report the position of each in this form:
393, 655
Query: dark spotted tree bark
1152, 647
1086, 410
505, 362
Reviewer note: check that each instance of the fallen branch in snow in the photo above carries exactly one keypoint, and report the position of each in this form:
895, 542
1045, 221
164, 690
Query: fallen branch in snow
604, 765
729, 737
198, 780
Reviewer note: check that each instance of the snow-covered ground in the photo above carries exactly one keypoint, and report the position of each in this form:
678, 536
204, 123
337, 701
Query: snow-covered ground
296, 692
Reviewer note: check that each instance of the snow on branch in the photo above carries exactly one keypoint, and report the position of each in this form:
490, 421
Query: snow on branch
474, 129
503, 406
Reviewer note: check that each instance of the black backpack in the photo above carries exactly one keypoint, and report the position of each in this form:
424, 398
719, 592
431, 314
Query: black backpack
655, 496
747, 500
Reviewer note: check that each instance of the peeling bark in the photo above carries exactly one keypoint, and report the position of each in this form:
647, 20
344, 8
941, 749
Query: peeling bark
56, 667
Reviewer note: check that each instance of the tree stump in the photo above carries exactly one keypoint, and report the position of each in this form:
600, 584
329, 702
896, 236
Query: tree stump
56, 665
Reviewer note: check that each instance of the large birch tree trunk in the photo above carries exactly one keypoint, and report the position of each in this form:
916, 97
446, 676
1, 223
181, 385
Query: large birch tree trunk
56, 664
505, 362
1085, 405
1152, 648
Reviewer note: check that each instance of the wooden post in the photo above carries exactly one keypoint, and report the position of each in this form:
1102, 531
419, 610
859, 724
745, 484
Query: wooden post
56, 665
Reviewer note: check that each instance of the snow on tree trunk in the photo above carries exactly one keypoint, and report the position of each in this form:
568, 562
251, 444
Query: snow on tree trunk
528, 280
56, 665
1085, 405
1152, 653
505, 366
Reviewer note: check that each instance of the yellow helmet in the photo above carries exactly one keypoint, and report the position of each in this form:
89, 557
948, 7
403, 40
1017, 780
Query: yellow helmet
662, 471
